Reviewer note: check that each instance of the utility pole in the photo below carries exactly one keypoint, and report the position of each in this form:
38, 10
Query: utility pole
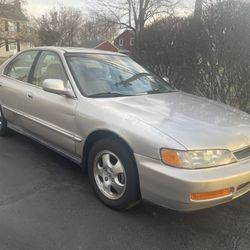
129, 12
140, 16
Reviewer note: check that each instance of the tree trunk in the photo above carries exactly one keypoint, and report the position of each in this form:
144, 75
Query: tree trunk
198, 8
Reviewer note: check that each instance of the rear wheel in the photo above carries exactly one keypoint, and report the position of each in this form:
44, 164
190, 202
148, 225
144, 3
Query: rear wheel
3, 124
113, 174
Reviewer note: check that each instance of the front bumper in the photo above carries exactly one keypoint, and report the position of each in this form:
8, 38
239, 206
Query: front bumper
171, 187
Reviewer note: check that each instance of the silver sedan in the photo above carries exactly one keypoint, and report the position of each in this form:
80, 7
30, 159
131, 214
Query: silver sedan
137, 137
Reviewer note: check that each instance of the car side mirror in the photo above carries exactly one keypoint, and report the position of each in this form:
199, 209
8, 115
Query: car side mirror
166, 79
56, 86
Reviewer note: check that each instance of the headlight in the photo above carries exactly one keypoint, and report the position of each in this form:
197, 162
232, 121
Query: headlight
197, 159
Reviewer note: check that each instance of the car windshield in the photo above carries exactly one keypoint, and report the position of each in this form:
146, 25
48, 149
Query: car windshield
100, 75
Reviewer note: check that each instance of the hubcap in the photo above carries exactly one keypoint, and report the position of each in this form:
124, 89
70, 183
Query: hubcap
110, 175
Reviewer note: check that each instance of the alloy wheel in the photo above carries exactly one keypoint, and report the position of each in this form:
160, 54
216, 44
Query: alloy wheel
110, 175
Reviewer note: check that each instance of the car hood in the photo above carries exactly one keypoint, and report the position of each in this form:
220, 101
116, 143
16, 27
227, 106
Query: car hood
195, 122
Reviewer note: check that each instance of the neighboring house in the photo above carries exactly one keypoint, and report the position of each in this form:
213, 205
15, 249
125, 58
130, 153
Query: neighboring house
122, 44
101, 45
13, 29
90, 44
125, 41
107, 45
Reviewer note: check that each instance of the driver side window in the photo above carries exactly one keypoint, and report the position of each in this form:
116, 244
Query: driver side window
20, 67
49, 66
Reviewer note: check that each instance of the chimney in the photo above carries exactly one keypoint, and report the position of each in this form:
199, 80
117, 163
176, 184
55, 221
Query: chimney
17, 4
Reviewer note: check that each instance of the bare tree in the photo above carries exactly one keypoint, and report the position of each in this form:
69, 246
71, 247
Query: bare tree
132, 14
198, 8
97, 28
60, 27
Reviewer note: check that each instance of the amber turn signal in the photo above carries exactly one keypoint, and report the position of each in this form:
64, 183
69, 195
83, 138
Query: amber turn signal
170, 157
211, 195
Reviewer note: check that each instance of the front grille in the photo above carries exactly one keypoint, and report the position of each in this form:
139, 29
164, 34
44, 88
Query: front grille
242, 154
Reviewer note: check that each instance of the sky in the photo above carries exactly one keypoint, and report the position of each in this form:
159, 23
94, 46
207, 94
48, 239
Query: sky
39, 7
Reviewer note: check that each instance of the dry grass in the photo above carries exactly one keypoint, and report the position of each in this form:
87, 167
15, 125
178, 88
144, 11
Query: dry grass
2, 60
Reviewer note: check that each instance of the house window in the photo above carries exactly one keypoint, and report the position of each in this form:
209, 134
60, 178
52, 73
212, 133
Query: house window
132, 41
13, 47
120, 41
12, 26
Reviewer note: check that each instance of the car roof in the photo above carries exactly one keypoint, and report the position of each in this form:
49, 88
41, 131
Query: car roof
78, 50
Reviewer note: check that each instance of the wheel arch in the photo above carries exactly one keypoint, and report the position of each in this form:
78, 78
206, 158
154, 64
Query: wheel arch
98, 135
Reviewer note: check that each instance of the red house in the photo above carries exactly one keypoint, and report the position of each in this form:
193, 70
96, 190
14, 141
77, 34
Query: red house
122, 44
125, 41
106, 45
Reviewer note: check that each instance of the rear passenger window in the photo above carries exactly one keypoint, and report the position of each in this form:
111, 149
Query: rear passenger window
49, 66
20, 67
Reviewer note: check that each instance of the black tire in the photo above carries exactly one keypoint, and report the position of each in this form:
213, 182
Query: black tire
131, 195
3, 124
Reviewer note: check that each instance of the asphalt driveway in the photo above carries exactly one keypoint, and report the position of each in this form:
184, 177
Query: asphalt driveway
46, 203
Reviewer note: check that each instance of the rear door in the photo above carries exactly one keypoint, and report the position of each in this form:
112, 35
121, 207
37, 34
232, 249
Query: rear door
14, 85
51, 117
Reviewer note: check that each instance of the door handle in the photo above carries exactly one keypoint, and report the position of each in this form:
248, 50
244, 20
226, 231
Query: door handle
30, 95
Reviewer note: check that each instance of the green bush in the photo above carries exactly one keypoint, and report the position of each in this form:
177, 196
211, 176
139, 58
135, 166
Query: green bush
207, 55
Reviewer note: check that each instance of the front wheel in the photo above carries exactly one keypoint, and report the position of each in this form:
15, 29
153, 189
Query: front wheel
3, 124
113, 174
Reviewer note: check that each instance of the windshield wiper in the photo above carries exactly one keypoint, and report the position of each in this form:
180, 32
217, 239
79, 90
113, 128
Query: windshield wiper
133, 78
108, 94
158, 91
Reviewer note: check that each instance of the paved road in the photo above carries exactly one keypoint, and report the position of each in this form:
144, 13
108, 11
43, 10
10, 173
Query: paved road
46, 203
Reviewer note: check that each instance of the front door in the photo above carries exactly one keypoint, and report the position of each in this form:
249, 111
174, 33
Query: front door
50, 117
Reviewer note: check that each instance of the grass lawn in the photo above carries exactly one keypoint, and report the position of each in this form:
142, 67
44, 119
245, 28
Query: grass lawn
2, 60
